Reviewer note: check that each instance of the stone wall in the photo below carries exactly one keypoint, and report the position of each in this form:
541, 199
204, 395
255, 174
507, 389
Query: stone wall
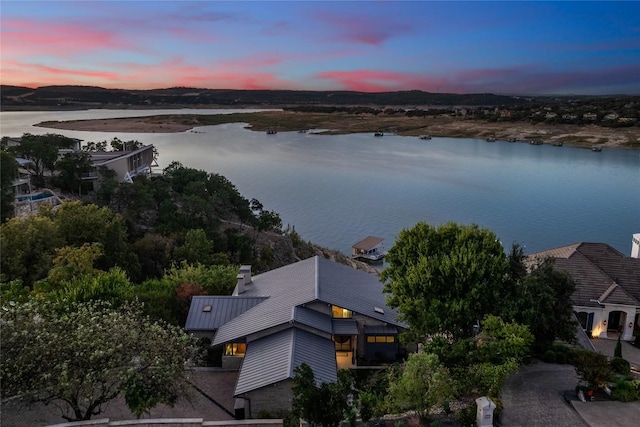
272, 398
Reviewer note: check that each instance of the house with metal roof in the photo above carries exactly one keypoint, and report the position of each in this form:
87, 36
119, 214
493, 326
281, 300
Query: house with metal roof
607, 296
316, 311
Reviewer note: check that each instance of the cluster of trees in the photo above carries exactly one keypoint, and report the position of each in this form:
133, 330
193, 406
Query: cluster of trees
477, 311
94, 297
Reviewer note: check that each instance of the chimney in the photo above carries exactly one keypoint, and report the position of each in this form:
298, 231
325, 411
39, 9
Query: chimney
246, 270
240, 287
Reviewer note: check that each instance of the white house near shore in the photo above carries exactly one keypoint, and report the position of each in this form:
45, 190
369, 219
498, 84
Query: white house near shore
607, 296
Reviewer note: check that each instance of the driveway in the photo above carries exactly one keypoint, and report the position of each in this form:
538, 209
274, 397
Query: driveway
533, 397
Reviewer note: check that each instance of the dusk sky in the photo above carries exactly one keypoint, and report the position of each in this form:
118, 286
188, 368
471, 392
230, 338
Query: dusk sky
504, 47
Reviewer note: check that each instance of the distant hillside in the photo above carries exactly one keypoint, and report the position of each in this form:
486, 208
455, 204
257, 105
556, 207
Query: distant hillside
78, 97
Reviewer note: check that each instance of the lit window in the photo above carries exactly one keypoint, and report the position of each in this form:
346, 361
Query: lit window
340, 313
235, 349
381, 339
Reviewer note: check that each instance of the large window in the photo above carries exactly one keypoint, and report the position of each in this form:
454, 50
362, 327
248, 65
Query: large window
235, 349
340, 313
343, 342
381, 339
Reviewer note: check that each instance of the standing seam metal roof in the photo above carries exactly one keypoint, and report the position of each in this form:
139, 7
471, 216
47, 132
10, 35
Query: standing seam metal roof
301, 283
274, 358
223, 309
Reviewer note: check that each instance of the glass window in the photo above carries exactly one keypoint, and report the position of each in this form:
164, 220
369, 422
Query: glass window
340, 313
235, 349
342, 342
381, 339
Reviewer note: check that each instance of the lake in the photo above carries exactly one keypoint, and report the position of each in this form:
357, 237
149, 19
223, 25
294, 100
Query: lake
337, 190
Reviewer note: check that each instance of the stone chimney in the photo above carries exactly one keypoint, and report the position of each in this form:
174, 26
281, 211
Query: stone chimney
246, 270
240, 286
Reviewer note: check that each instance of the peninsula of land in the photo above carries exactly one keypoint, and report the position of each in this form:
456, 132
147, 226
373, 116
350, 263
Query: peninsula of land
443, 125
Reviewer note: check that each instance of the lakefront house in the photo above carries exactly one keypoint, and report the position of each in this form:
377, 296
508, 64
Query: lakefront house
316, 311
607, 296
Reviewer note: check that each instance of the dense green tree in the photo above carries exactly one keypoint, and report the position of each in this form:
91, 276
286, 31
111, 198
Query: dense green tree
27, 245
8, 173
83, 355
155, 253
197, 248
111, 286
78, 224
499, 341
542, 301
71, 262
422, 385
214, 279
322, 405
71, 167
445, 279
42, 150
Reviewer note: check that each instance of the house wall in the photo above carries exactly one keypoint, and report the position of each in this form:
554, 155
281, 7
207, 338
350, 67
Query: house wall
273, 399
601, 319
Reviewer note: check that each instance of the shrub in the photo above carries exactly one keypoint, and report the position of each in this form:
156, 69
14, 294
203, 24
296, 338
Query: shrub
467, 416
549, 356
561, 358
592, 367
618, 350
620, 366
626, 391
560, 348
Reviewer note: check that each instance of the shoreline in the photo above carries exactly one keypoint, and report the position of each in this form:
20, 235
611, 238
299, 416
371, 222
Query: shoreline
584, 136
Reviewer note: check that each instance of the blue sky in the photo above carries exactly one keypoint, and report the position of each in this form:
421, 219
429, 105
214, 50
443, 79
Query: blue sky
507, 47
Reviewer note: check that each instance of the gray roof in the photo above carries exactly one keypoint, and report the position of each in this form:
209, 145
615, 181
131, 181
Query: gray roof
368, 243
601, 273
344, 326
312, 318
223, 309
274, 358
313, 279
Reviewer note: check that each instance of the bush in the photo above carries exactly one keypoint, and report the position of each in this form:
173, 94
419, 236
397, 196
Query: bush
549, 356
592, 368
561, 358
467, 416
560, 348
620, 366
626, 391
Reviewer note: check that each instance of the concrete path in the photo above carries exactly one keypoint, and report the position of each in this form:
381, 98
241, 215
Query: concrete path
609, 414
607, 347
533, 397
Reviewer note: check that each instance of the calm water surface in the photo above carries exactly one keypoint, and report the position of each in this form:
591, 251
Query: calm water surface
336, 190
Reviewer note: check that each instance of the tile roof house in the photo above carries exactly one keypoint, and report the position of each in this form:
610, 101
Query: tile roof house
314, 311
607, 296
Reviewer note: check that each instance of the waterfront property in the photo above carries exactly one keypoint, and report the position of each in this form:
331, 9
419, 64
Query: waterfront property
315, 311
126, 164
607, 296
369, 249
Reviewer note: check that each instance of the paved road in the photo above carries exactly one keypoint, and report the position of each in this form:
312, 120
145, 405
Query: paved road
532, 397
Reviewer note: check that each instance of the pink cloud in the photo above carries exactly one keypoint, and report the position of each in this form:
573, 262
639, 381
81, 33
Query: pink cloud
363, 29
381, 81
22, 38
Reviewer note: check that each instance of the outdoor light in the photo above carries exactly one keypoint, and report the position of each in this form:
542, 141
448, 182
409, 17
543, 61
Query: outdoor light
631, 324
604, 322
